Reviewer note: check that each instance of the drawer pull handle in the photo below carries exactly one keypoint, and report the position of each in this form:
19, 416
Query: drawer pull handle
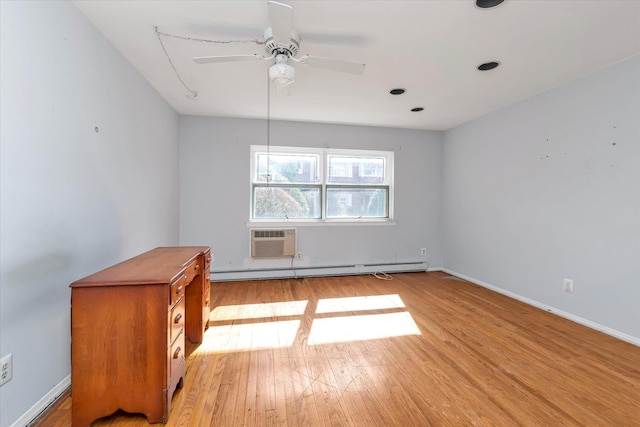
197, 267
179, 289
178, 317
176, 354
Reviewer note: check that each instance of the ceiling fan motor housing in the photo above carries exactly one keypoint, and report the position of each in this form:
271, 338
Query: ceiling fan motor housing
273, 48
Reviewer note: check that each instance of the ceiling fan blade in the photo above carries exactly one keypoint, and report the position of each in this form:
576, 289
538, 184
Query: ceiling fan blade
333, 64
226, 58
281, 19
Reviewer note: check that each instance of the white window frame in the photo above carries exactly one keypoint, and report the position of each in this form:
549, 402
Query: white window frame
323, 154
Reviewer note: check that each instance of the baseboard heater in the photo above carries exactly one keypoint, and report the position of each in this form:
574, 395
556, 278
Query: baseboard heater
316, 271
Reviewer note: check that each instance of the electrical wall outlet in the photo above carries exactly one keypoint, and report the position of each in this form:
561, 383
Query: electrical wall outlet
423, 251
6, 369
567, 285
299, 255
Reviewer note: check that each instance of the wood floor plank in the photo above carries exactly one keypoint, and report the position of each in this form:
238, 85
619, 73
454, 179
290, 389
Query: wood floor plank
423, 349
304, 403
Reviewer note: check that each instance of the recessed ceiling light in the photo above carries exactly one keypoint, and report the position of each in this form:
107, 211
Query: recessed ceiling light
486, 4
396, 91
488, 66
416, 109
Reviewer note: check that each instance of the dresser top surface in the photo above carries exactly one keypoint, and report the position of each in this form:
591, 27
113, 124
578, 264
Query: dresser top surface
157, 266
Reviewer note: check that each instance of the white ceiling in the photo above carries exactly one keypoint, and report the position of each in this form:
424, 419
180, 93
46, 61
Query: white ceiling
429, 47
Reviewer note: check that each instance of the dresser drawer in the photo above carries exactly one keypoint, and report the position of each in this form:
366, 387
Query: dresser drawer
176, 361
206, 306
176, 321
207, 263
177, 289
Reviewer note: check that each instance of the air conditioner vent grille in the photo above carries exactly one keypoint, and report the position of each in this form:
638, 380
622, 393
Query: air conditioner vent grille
264, 234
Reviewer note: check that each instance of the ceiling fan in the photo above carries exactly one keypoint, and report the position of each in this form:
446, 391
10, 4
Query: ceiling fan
282, 44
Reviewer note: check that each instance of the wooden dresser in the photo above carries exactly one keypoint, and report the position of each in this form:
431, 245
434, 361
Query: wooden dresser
128, 327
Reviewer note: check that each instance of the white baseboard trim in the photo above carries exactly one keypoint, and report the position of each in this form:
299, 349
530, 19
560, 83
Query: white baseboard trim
37, 409
588, 323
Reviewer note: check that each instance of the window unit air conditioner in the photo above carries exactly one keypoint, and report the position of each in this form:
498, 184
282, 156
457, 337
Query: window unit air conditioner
273, 243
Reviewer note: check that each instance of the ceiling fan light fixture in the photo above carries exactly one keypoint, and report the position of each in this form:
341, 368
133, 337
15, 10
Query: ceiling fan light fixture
281, 73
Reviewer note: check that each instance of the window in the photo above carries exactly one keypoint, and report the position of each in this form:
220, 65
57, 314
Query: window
313, 184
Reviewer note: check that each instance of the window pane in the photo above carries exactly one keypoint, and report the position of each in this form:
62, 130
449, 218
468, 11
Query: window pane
286, 202
285, 168
357, 202
356, 170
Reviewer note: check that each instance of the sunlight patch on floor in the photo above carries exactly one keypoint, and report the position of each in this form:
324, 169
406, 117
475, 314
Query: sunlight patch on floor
251, 336
370, 302
258, 311
359, 328
340, 320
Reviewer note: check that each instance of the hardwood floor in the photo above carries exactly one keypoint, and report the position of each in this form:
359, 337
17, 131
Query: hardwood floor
423, 349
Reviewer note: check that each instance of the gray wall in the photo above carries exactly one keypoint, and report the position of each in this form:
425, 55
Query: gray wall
215, 192
73, 200
548, 189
